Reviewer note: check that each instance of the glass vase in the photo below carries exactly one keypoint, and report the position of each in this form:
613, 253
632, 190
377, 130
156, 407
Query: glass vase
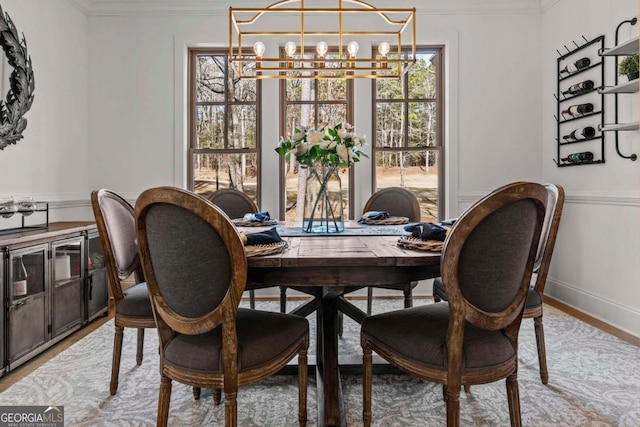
323, 206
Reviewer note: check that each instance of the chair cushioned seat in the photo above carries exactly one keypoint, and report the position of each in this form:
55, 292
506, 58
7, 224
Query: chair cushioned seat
422, 332
136, 302
534, 299
261, 337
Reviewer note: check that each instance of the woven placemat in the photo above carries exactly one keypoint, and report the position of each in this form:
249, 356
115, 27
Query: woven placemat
240, 222
388, 221
410, 242
267, 249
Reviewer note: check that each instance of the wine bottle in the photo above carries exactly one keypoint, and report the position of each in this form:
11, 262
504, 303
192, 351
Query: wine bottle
582, 133
576, 66
579, 88
579, 109
585, 156
19, 278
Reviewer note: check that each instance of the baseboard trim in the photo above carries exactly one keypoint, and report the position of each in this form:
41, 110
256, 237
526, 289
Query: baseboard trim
597, 323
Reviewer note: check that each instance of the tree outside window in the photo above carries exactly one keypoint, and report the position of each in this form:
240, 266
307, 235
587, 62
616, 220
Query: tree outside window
407, 145
224, 143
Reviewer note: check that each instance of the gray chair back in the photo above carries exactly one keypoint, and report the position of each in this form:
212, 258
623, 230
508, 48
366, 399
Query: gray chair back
488, 256
397, 201
116, 227
234, 203
193, 257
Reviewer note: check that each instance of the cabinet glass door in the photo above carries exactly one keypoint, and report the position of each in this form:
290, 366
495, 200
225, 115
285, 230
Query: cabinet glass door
68, 280
28, 300
2, 313
97, 292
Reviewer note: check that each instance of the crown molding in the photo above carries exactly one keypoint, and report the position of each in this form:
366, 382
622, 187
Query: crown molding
83, 6
548, 4
218, 7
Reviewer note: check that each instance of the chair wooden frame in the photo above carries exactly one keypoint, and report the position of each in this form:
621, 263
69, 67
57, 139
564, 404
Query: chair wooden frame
541, 268
115, 278
370, 205
461, 311
224, 315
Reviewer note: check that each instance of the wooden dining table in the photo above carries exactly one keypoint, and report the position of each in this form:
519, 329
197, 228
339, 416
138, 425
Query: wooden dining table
327, 267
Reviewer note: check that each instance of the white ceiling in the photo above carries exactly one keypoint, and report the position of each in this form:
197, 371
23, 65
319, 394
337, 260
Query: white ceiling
190, 7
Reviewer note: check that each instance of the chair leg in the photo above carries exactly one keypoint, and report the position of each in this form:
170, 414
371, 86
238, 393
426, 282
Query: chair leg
302, 387
542, 352
196, 393
163, 402
115, 363
283, 299
513, 396
217, 396
340, 323
452, 397
369, 300
366, 385
408, 295
140, 346
436, 297
230, 409
252, 300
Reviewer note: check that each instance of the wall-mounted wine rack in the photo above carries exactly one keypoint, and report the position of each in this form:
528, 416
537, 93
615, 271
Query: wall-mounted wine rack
580, 105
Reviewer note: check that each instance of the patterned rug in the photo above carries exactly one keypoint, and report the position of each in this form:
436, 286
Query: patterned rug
594, 381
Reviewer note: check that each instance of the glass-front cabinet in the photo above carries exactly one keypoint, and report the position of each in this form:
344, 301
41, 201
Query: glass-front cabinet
53, 281
67, 285
2, 315
96, 292
27, 300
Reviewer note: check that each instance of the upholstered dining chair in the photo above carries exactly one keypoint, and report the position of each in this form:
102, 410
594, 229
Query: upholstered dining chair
486, 264
533, 303
236, 204
397, 201
116, 226
196, 270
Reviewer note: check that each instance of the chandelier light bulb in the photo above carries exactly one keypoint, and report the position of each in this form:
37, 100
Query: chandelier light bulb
322, 49
384, 48
352, 48
290, 49
258, 49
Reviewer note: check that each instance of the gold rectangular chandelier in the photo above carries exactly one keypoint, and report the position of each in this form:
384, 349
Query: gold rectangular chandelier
289, 39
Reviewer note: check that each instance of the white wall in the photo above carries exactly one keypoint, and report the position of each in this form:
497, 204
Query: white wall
595, 265
50, 162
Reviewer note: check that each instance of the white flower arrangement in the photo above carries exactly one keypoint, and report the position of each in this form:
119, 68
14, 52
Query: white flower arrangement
337, 146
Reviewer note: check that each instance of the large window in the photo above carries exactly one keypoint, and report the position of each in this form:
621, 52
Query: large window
313, 103
224, 117
408, 138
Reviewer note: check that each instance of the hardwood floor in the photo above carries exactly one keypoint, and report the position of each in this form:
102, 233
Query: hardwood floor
16, 375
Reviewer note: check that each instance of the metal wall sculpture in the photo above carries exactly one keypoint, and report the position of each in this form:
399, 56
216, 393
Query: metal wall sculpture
19, 96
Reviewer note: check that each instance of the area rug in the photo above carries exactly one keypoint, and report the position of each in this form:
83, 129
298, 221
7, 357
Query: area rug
594, 380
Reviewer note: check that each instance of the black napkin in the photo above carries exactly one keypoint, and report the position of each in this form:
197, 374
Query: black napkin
427, 231
257, 217
375, 215
263, 237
